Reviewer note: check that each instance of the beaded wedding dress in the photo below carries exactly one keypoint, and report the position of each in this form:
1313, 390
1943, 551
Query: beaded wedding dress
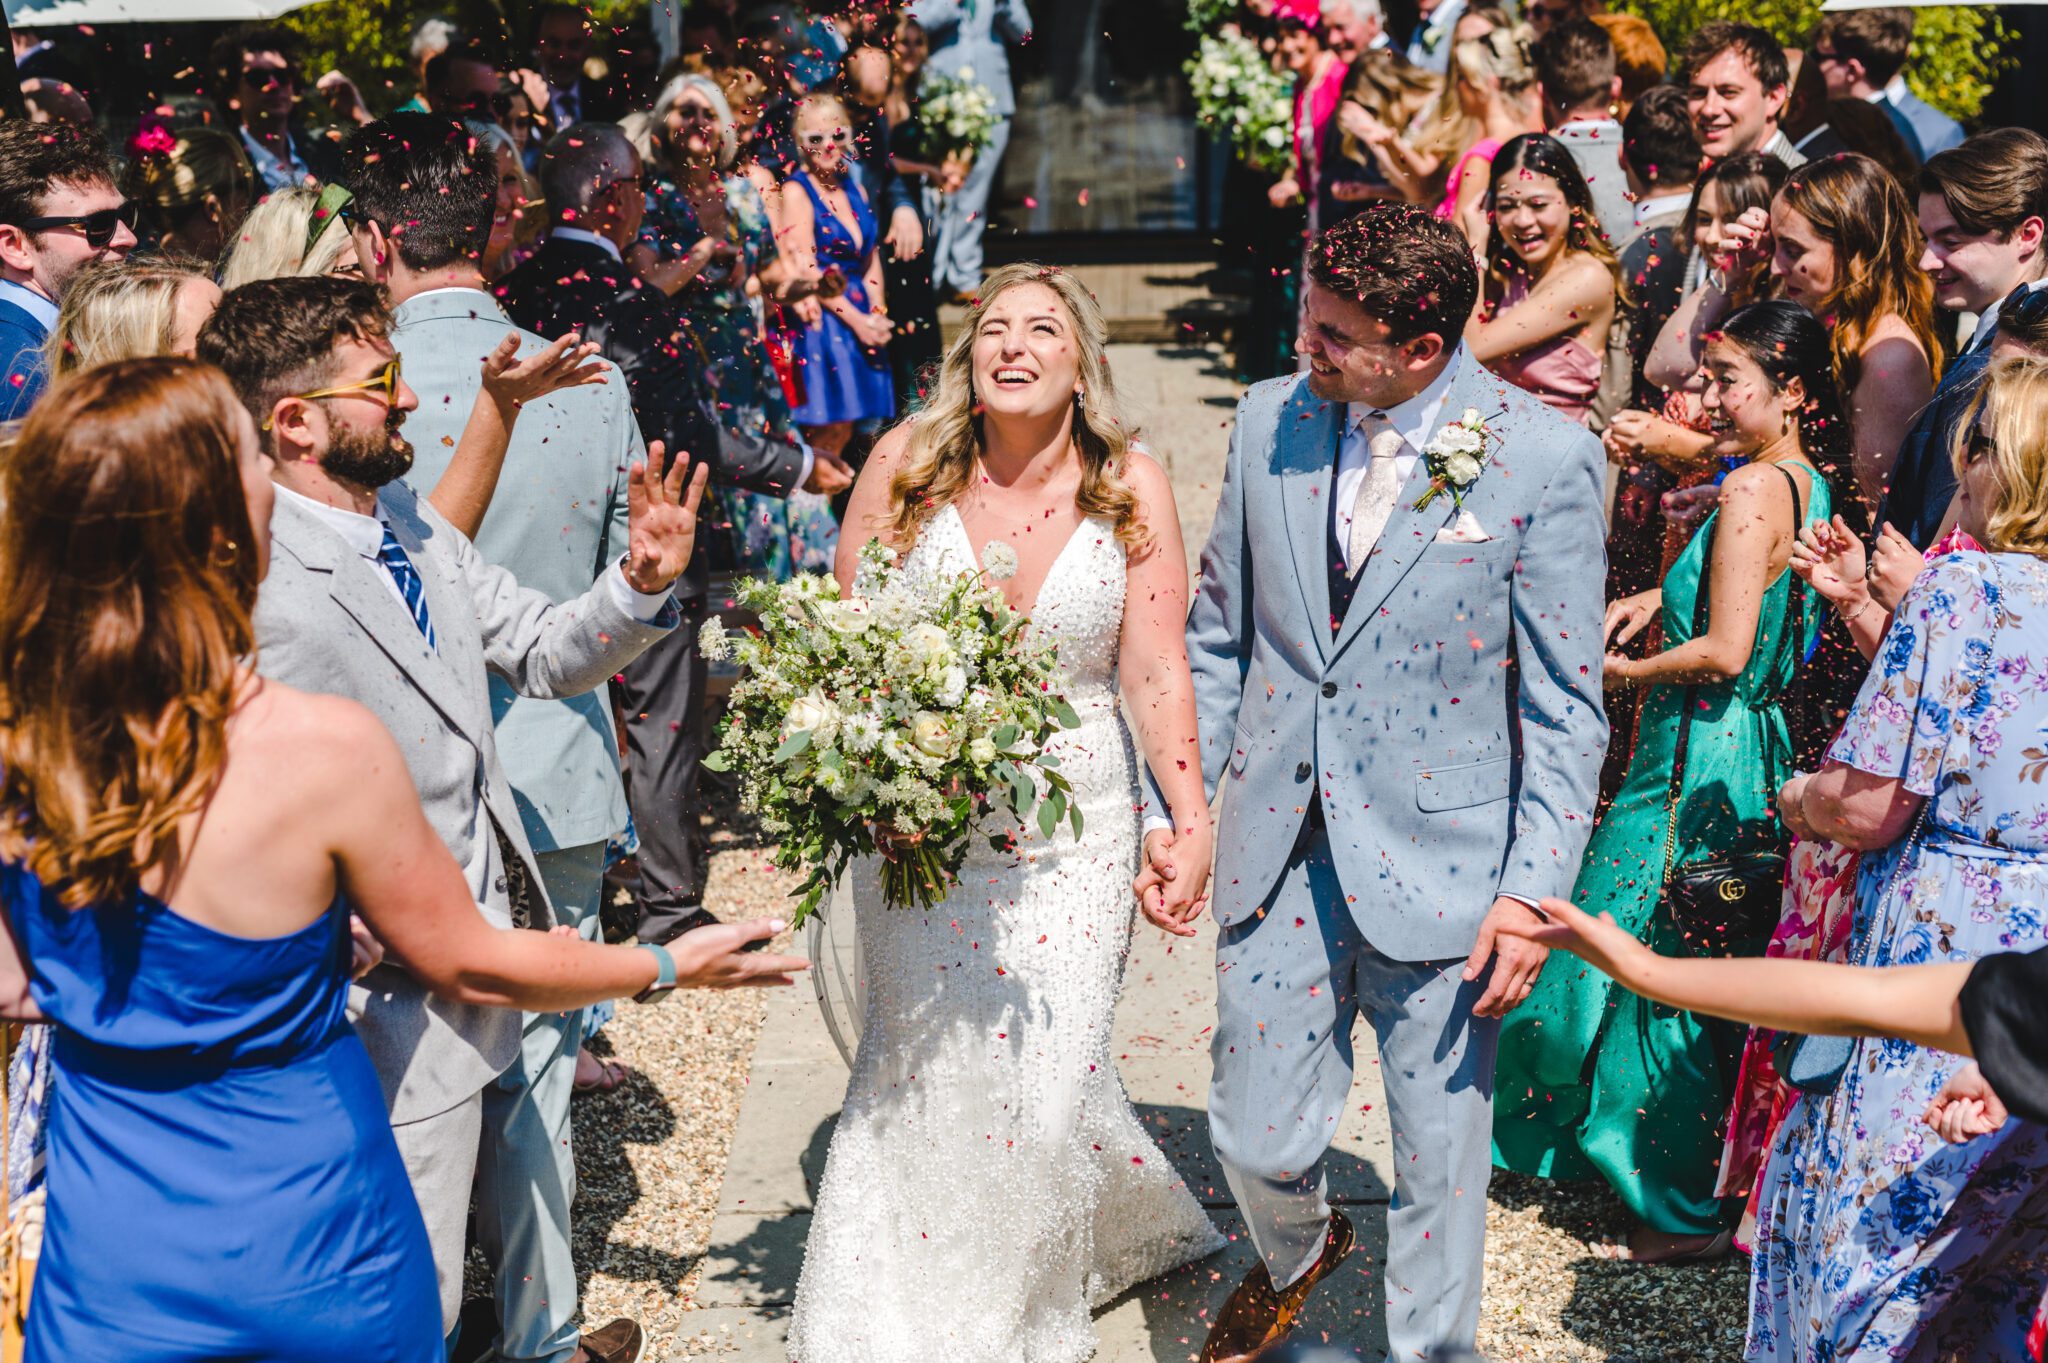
988, 1182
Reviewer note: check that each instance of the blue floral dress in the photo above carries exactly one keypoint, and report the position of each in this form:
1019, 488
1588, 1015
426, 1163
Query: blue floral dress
1875, 1239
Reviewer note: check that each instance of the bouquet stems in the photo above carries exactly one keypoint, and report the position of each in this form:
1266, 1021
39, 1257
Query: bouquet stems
916, 878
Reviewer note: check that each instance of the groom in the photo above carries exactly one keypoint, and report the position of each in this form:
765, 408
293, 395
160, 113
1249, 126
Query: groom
1406, 703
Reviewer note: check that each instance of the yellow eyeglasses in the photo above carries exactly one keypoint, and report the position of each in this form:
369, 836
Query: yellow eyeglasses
385, 379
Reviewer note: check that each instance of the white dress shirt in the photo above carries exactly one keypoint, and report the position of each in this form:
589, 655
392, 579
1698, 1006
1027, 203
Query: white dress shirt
365, 535
1987, 321
1416, 422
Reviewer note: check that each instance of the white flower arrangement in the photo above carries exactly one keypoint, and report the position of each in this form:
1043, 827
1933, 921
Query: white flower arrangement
1239, 95
1455, 457
908, 705
961, 109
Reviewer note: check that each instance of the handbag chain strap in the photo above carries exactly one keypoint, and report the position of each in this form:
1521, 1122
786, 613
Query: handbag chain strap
1689, 700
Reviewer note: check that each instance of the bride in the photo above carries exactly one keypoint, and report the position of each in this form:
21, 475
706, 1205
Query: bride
988, 1182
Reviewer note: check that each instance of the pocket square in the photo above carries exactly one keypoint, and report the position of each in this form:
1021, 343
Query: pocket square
1466, 529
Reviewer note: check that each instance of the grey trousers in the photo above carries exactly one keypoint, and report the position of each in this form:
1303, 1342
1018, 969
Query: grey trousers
1290, 985
440, 1155
963, 216
526, 1171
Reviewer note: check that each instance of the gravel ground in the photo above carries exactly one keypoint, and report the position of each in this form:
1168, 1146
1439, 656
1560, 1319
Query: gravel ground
650, 1158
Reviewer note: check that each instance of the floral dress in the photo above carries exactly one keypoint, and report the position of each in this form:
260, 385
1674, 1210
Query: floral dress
1875, 1239
771, 536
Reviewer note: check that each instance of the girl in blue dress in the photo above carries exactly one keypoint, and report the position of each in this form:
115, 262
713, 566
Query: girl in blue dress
843, 354
181, 844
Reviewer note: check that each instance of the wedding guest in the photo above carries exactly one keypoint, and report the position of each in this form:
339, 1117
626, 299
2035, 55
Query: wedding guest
256, 89
59, 212
462, 81
1711, 750
1544, 15
864, 80
194, 1107
1865, 131
430, 38
516, 217
928, 169
293, 231
843, 355
1581, 93
1433, 44
1553, 284
196, 187
1352, 27
424, 195
1862, 55
1736, 79
129, 309
1639, 57
1495, 89
1367, 155
1804, 119
562, 49
969, 40
1318, 84
1948, 817
1983, 212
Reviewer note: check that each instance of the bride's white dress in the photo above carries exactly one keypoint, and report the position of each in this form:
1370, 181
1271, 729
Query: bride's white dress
988, 1182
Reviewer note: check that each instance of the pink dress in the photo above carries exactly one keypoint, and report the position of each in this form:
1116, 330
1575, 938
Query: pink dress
1483, 151
1563, 371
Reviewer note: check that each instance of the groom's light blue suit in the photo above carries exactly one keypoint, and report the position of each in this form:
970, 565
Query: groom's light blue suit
1450, 729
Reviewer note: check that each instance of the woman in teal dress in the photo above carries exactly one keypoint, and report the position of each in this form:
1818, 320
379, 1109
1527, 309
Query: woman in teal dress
1593, 1082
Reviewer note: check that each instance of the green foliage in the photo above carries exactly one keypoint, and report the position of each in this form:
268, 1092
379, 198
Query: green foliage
1956, 49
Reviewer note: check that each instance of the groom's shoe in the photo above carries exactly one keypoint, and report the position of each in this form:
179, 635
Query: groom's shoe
1256, 1316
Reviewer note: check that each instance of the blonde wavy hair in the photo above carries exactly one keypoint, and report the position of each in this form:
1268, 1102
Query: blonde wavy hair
946, 440
1502, 55
2015, 395
272, 242
117, 310
128, 572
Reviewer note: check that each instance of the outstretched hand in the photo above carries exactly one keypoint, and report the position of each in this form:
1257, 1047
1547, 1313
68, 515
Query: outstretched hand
564, 363
1517, 958
716, 957
1600, 942
661, 520
1967, 1107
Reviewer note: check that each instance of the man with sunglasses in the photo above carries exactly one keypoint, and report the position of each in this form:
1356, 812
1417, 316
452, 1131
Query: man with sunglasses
256, 86
59, 212
1984, 212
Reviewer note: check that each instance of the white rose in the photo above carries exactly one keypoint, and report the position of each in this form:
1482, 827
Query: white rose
814, 713
981, 752
1459, 440
934, 735
1461, 468
952, 686
927, 643
894, 610
850, 616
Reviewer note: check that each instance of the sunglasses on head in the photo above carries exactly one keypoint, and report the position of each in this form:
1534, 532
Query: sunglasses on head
98, 228
385, 379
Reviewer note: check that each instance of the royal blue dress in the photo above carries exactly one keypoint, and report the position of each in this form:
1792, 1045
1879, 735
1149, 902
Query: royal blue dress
843, 380
223, 1182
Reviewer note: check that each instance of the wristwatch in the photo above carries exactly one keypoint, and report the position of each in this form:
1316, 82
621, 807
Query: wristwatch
665, 979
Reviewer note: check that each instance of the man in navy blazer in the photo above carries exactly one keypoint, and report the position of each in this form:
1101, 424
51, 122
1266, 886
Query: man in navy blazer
59, 212
1984, 210
1862, 55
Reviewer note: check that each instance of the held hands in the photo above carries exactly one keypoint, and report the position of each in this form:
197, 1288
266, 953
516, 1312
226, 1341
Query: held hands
366, 953
1894, 563
871, 328
661, 520
513, 382
1967, 1107
1830, 559
1690, 505
716, 957
906, 234
1173, 885
1284, 192
830, 475
1599, 942
1626, 619
1517, 957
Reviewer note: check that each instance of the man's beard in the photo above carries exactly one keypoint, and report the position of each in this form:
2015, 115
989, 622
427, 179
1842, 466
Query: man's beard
368, 459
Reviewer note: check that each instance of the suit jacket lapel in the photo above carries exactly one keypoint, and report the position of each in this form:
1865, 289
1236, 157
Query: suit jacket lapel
1305, 457
353, 583
1409, 531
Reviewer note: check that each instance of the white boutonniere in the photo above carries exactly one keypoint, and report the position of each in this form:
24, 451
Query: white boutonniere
1456, 455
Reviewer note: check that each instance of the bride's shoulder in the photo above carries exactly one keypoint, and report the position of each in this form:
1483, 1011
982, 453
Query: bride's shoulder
1144, 474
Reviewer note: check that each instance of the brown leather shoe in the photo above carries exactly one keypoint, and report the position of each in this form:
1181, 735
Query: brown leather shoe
618, 1342
1256, 1316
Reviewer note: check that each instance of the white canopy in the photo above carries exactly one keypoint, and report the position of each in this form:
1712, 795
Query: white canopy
1915, 4
49, 13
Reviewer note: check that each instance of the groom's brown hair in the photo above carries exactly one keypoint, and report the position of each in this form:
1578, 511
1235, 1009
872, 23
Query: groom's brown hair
1404, 266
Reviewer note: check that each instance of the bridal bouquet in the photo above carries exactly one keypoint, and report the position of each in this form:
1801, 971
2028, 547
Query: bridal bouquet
1240, 96
921, 707
961, 109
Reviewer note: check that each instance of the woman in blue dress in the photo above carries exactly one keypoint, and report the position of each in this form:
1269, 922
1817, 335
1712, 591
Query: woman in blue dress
181, 843
843, 355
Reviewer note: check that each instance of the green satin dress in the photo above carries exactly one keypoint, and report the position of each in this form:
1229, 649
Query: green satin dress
1592, 1081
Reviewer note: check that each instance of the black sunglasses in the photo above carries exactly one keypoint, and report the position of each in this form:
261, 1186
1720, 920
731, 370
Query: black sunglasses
98, 228
2029, 311
1977, 447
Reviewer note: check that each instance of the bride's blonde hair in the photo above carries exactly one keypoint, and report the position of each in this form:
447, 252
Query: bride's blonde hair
945, 434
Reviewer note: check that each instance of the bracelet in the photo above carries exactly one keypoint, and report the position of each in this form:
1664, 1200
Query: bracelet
1850, 618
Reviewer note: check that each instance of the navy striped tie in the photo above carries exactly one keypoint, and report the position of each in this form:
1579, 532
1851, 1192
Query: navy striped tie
393, 556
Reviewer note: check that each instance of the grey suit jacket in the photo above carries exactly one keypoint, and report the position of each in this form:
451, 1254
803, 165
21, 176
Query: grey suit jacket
1935, 129
557, 521
1453, 727
970, 35
326, 622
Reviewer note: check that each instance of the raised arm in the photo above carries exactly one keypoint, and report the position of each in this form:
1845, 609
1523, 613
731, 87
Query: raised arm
1576, 297
466, 486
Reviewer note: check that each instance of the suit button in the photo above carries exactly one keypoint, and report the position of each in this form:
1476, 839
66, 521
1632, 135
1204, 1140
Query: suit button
1329, 690
1302, 771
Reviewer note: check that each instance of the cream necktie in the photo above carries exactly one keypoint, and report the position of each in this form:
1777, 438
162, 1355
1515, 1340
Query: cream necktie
1374, 505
